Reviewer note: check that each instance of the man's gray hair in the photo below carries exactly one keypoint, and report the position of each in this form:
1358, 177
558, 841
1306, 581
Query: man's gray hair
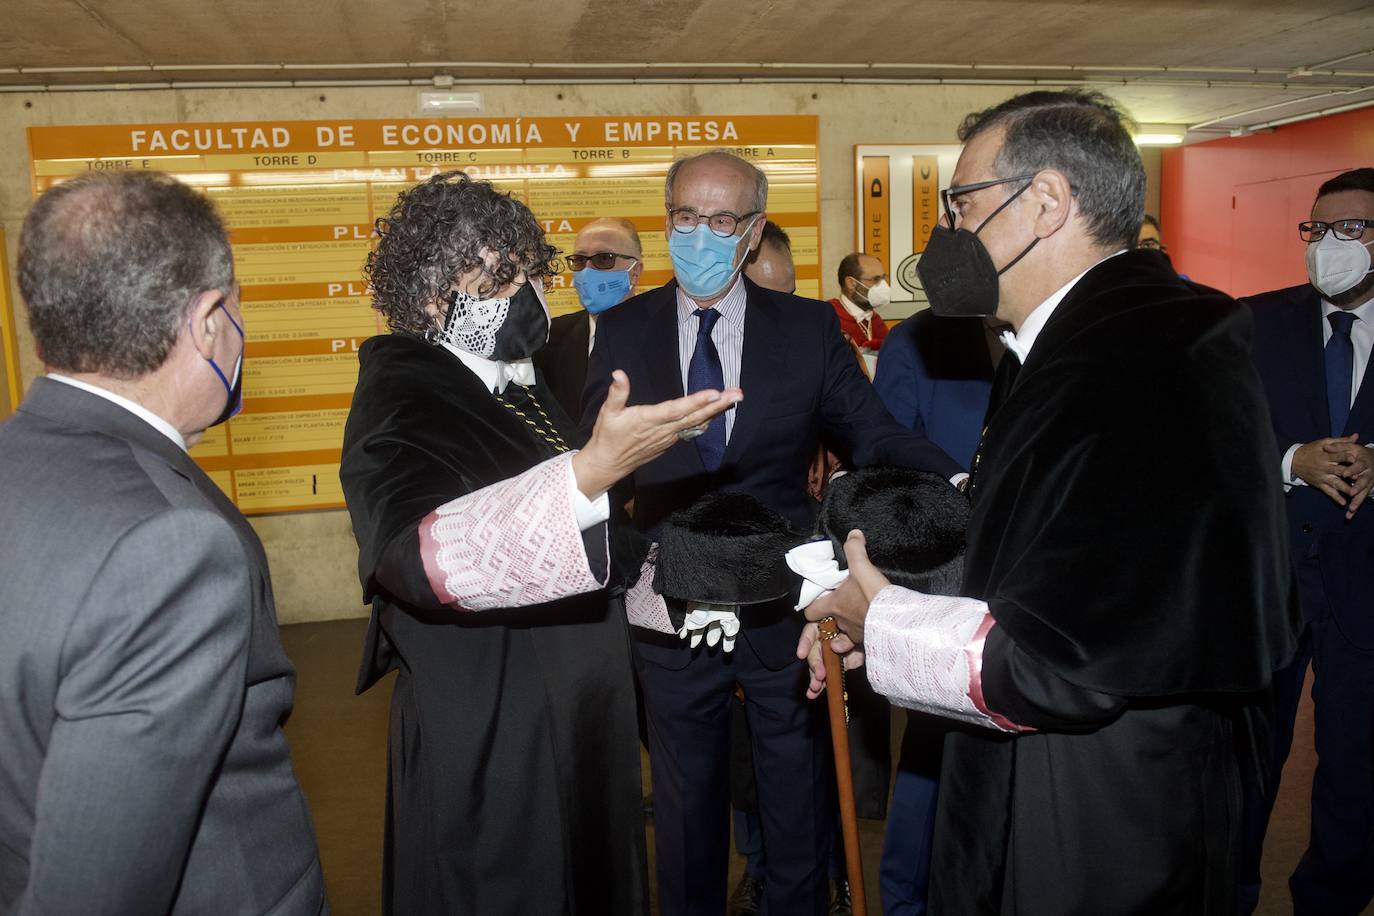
1083, 135
110, 264
760, 179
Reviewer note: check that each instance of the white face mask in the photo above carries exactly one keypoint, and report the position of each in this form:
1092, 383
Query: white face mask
1336, 265
879, 294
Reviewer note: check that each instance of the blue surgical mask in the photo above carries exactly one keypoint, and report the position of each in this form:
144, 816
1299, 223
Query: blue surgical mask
703, 262
599, 290
233, 389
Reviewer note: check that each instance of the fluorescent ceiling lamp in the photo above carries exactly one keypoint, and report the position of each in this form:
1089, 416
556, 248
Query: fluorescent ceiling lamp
1159, 135
446, 103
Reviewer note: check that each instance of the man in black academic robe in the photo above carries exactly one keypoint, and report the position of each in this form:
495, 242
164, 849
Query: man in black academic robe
1126, 586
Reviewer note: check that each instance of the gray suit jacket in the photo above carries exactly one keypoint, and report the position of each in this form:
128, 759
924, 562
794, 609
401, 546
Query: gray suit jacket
143, 685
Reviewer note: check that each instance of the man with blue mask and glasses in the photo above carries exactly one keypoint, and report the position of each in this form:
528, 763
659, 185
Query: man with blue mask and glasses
606, 262
712, 326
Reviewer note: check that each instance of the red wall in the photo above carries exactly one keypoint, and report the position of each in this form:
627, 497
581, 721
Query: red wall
1231, 207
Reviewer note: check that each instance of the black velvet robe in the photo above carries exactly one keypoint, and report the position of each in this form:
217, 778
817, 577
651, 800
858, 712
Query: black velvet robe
514, 759
1127, 535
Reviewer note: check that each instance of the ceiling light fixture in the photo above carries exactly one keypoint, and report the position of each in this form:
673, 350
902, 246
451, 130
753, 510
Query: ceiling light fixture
1159, 135
450, 103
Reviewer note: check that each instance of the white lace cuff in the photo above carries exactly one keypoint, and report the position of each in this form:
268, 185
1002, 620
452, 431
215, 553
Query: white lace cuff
645, 607
511, 544
925, 652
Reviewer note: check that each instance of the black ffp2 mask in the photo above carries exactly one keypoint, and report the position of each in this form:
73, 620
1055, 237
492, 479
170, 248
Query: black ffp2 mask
957, 272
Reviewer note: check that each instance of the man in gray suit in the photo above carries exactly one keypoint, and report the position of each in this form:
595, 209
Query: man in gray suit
142, 679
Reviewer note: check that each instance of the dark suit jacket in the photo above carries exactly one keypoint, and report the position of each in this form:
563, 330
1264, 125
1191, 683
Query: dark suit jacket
142, 680
801, 385
935, 376
563, 360
1289, 354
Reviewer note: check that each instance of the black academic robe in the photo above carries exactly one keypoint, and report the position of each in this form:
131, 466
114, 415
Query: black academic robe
514, 761
563, 360
1127, 534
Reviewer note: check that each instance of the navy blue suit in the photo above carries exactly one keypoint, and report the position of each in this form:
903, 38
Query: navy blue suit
935, 376
1334, 561
801, 384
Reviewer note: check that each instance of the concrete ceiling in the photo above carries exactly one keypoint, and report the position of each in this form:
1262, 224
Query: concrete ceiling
1217, 66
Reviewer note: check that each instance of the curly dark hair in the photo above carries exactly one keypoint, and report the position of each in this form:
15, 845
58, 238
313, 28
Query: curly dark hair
436, 231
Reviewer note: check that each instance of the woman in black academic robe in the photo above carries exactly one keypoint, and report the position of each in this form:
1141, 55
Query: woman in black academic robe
513, 763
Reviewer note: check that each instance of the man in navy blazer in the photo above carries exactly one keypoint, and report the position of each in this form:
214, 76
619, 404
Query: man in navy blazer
935, 377
1312, 344
801, 385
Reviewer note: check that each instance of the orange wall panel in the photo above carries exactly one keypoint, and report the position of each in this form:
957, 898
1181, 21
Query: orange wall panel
1231, 207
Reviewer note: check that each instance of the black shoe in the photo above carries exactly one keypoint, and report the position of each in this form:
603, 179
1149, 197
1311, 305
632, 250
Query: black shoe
840, 904
747, 897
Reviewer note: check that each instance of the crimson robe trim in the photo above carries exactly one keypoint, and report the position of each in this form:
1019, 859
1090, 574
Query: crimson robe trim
974, 654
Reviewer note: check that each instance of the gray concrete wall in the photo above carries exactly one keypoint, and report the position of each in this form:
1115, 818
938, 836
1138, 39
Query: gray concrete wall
313, 555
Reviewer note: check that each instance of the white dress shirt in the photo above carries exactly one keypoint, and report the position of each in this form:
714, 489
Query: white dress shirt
1020, 342
727, 335
1362, 336
138, 410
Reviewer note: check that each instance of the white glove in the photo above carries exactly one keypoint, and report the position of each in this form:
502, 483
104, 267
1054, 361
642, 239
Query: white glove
718, 623
821, 574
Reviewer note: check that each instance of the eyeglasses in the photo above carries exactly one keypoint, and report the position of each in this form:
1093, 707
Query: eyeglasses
602, 260
723, 224
1347, 230
880, 278
1152, 245
948, 194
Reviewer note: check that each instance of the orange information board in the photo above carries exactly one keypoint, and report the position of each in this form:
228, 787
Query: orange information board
875, 189
301, 198
895, 225
9, 349
925, 199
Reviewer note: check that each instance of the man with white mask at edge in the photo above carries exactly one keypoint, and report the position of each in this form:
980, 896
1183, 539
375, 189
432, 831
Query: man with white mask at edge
1312, 348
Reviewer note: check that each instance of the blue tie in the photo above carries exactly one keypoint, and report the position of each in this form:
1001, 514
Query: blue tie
704, 371
1340, 368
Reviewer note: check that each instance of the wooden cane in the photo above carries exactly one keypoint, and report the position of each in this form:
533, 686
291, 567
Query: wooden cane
844, 771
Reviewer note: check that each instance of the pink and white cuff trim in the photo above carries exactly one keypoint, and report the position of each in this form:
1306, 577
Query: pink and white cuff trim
645, 607
925, 652
511, 544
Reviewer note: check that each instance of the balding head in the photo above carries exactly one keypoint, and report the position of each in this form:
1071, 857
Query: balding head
770, 265
747, 184
109, 265
612, 231
606, 236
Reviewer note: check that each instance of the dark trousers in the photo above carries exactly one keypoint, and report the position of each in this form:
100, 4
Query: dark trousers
1336, 875
689, 710
904, 872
